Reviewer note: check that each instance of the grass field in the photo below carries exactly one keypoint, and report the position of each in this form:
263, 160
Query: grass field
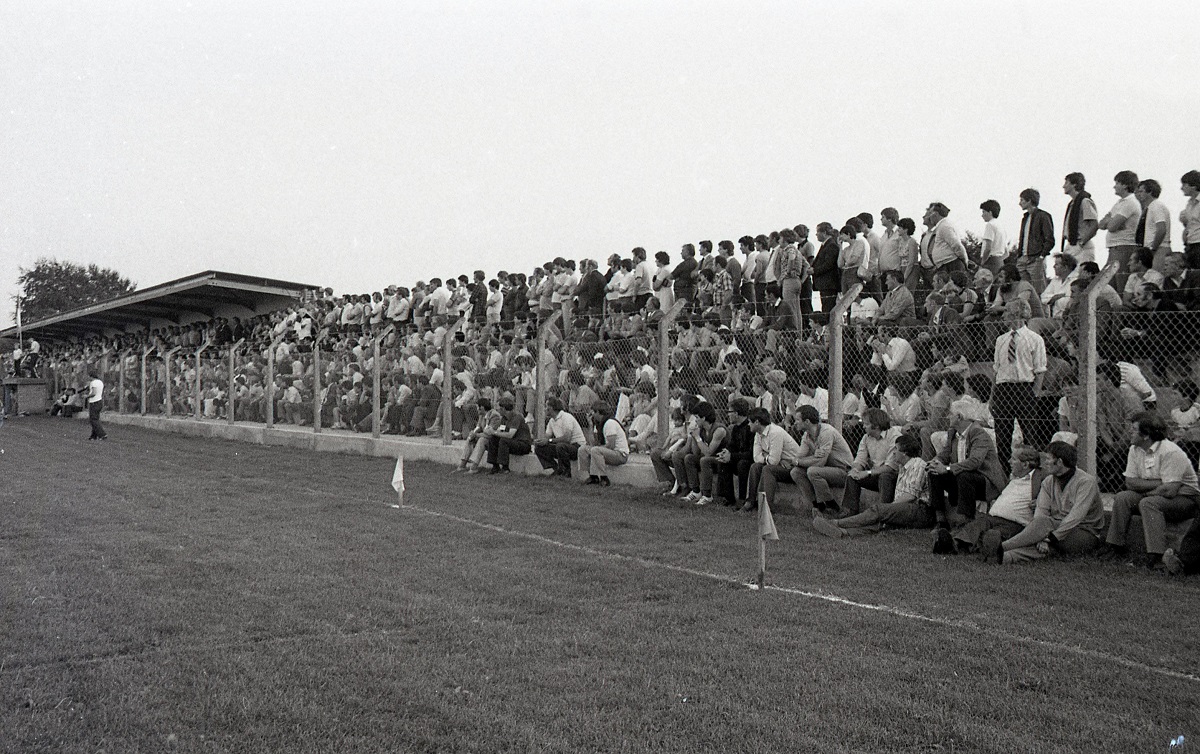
166, 593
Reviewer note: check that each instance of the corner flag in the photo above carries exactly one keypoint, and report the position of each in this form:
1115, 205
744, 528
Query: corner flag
766, 522
398, 478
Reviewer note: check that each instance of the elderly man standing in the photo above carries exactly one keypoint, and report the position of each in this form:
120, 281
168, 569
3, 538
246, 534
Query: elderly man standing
1160, 484
1068, 519
564, 437
941, 245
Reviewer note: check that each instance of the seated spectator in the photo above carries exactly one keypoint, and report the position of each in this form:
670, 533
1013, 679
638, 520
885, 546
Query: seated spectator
594, 460
873, 467
1141, 271
564, 437
1057, 292
663, 458
909, 508
1068, 518
898, 305
965, 472
1011, 511
511, 437
736, 458
706, 438
477, 441
775, 453
1160, 484
822, 463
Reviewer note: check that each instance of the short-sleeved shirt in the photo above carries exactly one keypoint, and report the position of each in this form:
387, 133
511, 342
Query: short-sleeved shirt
913, 479
616, 433
994, 233
95, 390
1157, 212
1164, 461
1128, 208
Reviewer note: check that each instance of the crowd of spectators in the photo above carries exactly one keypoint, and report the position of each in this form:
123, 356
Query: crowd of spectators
960, 356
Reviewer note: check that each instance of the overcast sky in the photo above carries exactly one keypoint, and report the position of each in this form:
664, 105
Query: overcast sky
357, 144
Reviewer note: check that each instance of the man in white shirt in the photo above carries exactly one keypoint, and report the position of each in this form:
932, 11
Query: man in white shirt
95, 402
908, 510
1154, 226
1011, 511
563, 439
594, 460
1057, 293
1120, 224
775, 454
1080, 223
874, 467
1160, 484
991, 257
1019, 363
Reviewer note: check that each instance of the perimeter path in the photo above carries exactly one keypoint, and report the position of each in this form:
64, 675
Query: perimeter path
637, 472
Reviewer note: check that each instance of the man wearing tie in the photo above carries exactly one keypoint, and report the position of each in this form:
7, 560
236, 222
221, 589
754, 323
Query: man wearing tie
1019, 363
1036, 240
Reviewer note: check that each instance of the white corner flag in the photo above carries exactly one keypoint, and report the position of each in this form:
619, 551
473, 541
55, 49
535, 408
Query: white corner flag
398, 478
766, 530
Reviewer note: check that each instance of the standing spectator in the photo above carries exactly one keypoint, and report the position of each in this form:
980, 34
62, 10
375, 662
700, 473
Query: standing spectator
1154, 226
684, 276
564, 437
746, 246
868, 269
95, 402
945, 250
791, 270
1019, 363
494, 302
1160, 484
825, 271
1189, 218
1035, 241
1080, 222
1120, 224
991, 257
1068, 519
661, 282
594, 460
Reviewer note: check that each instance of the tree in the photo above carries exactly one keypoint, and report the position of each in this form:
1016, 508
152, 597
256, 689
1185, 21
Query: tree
52, 287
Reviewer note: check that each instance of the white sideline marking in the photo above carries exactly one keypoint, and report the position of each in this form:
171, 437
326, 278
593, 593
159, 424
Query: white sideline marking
1094, 654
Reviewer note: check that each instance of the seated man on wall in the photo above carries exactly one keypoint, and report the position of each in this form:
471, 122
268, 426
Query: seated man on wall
775, 455
737, 457
1160, 483
594, 460
909, 508
824, 459
1068, 519
510, 438
564, 436
1012, 511
873, 467
966, 472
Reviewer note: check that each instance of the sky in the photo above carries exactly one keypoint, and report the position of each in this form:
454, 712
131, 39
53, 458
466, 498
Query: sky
361, 144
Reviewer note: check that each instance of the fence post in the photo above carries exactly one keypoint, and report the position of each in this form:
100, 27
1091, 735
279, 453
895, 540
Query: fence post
121, 382
663, 376
447, 407
375, 401
270, 386
142, 392
1089, 359
317, 380
167, 379
539, 399
231, 400
836, 383
199, 407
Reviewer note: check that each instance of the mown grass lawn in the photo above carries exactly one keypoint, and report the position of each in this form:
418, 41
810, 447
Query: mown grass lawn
165, 593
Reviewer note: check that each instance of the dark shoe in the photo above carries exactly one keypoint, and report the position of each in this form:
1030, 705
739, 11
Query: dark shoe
605, 481
991, 548
1108, 551
593, 479
748, 508
503, 470
943, 542
495, 470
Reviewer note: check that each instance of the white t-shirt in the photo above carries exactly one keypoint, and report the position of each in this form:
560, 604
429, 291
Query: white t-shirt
1156, 213
1128, 208
615, 432
994, 233
95, 390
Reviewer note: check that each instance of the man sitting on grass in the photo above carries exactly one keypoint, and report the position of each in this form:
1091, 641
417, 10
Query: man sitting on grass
909, 508
1068, 520
1012, 511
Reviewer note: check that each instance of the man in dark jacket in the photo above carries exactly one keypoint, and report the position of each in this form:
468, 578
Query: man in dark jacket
825, 273
737, 456
1035, 241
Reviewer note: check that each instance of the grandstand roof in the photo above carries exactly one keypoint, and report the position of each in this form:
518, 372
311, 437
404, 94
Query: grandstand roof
177, 302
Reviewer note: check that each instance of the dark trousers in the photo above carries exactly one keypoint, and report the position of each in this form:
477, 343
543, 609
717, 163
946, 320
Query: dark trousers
1013, 402
884, 484
557, 455
960, 492
94, 418
500, 448
725, 474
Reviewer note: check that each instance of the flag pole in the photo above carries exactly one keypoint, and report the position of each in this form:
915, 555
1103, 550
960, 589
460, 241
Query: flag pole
762, 541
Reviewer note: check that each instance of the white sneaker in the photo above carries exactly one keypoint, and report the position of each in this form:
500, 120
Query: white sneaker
692, 497
703, 500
